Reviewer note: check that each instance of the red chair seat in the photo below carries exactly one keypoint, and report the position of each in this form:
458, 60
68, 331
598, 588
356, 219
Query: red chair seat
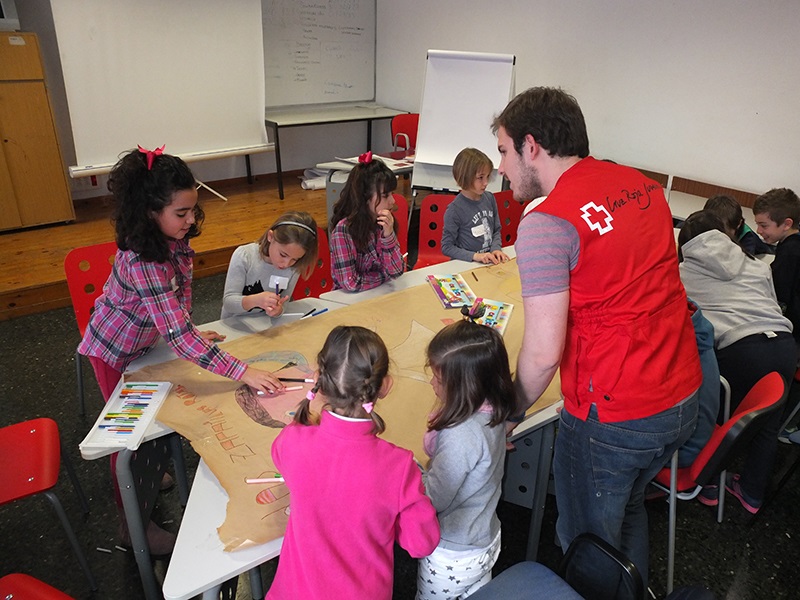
24, 587
30, 458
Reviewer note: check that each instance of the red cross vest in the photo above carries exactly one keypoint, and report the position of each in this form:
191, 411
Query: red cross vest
630, 345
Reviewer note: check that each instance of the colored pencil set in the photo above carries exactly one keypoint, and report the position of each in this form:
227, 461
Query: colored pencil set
128, 414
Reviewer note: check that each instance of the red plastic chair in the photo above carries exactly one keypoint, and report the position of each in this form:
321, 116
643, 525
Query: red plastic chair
87, 269
401, 216
404, 132
24, 587
320, 280
726, 443
431, 225
510, 212
30, 458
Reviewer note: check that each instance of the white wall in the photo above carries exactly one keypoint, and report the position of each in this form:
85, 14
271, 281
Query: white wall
705, 90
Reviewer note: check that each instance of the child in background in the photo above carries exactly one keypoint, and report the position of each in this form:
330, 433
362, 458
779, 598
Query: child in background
466, 441
471, 221
361, 494
777, 215
730, 213
365, 251
262, 275
751, 336
148, 295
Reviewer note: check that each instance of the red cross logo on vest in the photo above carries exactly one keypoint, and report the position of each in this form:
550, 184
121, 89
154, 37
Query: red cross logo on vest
597, 217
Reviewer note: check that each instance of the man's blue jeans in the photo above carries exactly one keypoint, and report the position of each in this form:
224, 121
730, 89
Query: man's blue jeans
601, 470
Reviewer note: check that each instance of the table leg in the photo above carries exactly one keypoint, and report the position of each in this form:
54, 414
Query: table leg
278, 160
369, 134
540, 490
249, 169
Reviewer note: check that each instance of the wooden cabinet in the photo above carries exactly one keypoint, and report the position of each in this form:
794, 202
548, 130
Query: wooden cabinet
33, 181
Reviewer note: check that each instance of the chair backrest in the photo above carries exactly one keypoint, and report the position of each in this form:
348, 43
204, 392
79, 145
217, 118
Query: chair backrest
731, 438
320, 280
590, 550
87, 268
431, 225
510, 212
401, 216
404, 131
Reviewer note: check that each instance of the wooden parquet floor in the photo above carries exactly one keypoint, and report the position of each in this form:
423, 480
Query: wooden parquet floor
32, 261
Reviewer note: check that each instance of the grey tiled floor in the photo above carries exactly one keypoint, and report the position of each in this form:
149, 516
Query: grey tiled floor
743, 557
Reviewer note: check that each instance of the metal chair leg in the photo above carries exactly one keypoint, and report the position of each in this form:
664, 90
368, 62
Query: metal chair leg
74, 478
79, 372
673, 502
73, 540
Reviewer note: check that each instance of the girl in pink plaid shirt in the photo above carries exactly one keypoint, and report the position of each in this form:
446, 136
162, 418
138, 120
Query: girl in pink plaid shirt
149, 292
365, 251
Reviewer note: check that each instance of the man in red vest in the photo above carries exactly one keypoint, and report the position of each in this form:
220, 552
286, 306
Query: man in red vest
604, 302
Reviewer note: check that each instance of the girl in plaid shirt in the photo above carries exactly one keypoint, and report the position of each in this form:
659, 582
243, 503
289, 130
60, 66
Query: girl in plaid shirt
148, 294
365, 251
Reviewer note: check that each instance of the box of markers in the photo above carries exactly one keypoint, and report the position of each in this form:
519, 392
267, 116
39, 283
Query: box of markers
451, 290
127, 415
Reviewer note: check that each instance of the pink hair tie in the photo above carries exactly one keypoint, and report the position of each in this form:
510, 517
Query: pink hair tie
365, 158
311, 395
151, 155
368, 406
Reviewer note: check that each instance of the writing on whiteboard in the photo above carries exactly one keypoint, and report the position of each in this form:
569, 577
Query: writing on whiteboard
317, 52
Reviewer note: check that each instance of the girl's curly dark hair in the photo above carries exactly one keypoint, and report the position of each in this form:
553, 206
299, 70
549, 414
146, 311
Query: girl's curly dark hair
363, 182
141, 194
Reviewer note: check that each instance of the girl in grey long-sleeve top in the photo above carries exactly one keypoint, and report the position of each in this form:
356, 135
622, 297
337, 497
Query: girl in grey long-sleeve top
466, 441
471, 222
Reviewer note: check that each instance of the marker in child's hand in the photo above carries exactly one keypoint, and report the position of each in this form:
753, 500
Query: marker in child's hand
292, 388
276, 479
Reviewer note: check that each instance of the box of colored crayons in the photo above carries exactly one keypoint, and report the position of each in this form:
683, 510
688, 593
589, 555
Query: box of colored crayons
127, 415
452, 290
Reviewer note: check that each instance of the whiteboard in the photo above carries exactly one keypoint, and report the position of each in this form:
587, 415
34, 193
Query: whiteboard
186, 73
463, 93
318, 52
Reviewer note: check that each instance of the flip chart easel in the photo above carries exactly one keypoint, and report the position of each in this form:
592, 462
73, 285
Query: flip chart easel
463, 92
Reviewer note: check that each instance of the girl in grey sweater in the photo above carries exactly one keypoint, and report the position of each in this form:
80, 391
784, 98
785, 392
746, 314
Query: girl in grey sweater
751, 336
466, 441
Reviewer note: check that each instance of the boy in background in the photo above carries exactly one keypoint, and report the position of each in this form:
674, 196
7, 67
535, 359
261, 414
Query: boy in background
777, 214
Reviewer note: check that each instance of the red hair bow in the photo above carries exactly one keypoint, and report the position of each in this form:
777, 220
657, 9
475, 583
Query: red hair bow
365, 158
151, 155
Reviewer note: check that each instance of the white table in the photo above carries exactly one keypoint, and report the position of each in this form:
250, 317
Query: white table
185, 579
199, 565
681, 205
408, 279
397, 166
232, 329
303, 116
